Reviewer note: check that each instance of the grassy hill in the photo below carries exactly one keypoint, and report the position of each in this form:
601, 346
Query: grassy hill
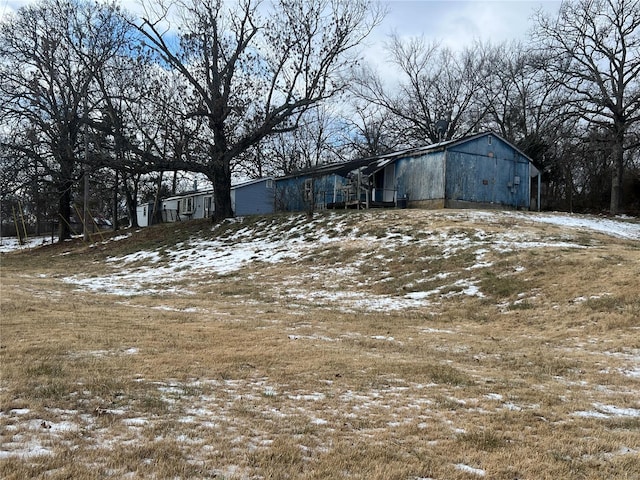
401, 344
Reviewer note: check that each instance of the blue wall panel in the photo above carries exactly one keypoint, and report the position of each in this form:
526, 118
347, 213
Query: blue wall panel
483, 169
290, 192
421, 177
487, 171
255, 198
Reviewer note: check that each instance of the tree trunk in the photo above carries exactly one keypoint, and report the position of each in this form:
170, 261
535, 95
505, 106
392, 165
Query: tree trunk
156, 216
221, 179
116, 226
65, 185
220, 172
64, 211
618, 170
568, 182
131, 198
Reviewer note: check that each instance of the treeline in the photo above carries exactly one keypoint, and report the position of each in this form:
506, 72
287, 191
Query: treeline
100, 107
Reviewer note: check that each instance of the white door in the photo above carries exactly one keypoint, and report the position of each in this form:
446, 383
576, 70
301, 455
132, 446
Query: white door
208, 207
389, 187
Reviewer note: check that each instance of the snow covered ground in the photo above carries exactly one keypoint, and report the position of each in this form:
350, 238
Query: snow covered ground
621, 227
11, 244
208, 404
149, 272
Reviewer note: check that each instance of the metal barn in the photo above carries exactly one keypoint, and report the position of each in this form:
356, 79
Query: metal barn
482, 170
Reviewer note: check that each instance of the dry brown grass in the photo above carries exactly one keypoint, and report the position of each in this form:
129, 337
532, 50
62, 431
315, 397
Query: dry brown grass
245, 378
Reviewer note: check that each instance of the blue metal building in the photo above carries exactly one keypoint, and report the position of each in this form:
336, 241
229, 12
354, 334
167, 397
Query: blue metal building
254, 197
483, 170
335, 185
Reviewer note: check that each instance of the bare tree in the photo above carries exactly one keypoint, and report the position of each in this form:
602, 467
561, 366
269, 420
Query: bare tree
516, 98
49, 53
370, 131
315, 141
23, 185
520, 101
253, 68
143, 118
435, 84
595, 57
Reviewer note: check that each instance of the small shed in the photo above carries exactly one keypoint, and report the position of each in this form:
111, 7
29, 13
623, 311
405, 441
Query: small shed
482, 170
144, 213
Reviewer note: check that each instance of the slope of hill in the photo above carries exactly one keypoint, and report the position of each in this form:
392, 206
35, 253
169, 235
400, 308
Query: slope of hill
402, 344
372, 260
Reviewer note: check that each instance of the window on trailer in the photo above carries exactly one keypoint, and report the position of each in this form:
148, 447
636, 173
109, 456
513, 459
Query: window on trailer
308, 189
187, 205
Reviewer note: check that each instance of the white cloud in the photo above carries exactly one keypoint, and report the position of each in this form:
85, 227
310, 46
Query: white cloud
458, 24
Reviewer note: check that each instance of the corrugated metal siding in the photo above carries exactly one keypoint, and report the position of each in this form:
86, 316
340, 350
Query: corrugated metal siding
487, 173
482, 169
328, 189
290, 194
421, 177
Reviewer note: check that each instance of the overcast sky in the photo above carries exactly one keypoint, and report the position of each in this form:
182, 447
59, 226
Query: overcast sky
458, 22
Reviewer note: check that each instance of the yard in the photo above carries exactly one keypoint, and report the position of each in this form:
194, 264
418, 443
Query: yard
400, 344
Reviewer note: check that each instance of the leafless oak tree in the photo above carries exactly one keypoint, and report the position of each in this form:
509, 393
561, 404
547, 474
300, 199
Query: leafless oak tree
49, 54
435, 84
594, 48
253, 68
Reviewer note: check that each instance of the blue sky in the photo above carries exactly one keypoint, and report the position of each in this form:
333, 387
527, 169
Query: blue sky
454, 23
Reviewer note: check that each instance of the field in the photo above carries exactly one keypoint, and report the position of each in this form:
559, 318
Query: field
400, 344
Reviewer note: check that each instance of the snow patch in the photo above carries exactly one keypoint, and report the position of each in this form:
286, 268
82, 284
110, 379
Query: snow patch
608, 411
468, 469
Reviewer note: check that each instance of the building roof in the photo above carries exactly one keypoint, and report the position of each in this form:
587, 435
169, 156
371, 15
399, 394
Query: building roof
246, 183
370, 165
209, 191
190, 193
